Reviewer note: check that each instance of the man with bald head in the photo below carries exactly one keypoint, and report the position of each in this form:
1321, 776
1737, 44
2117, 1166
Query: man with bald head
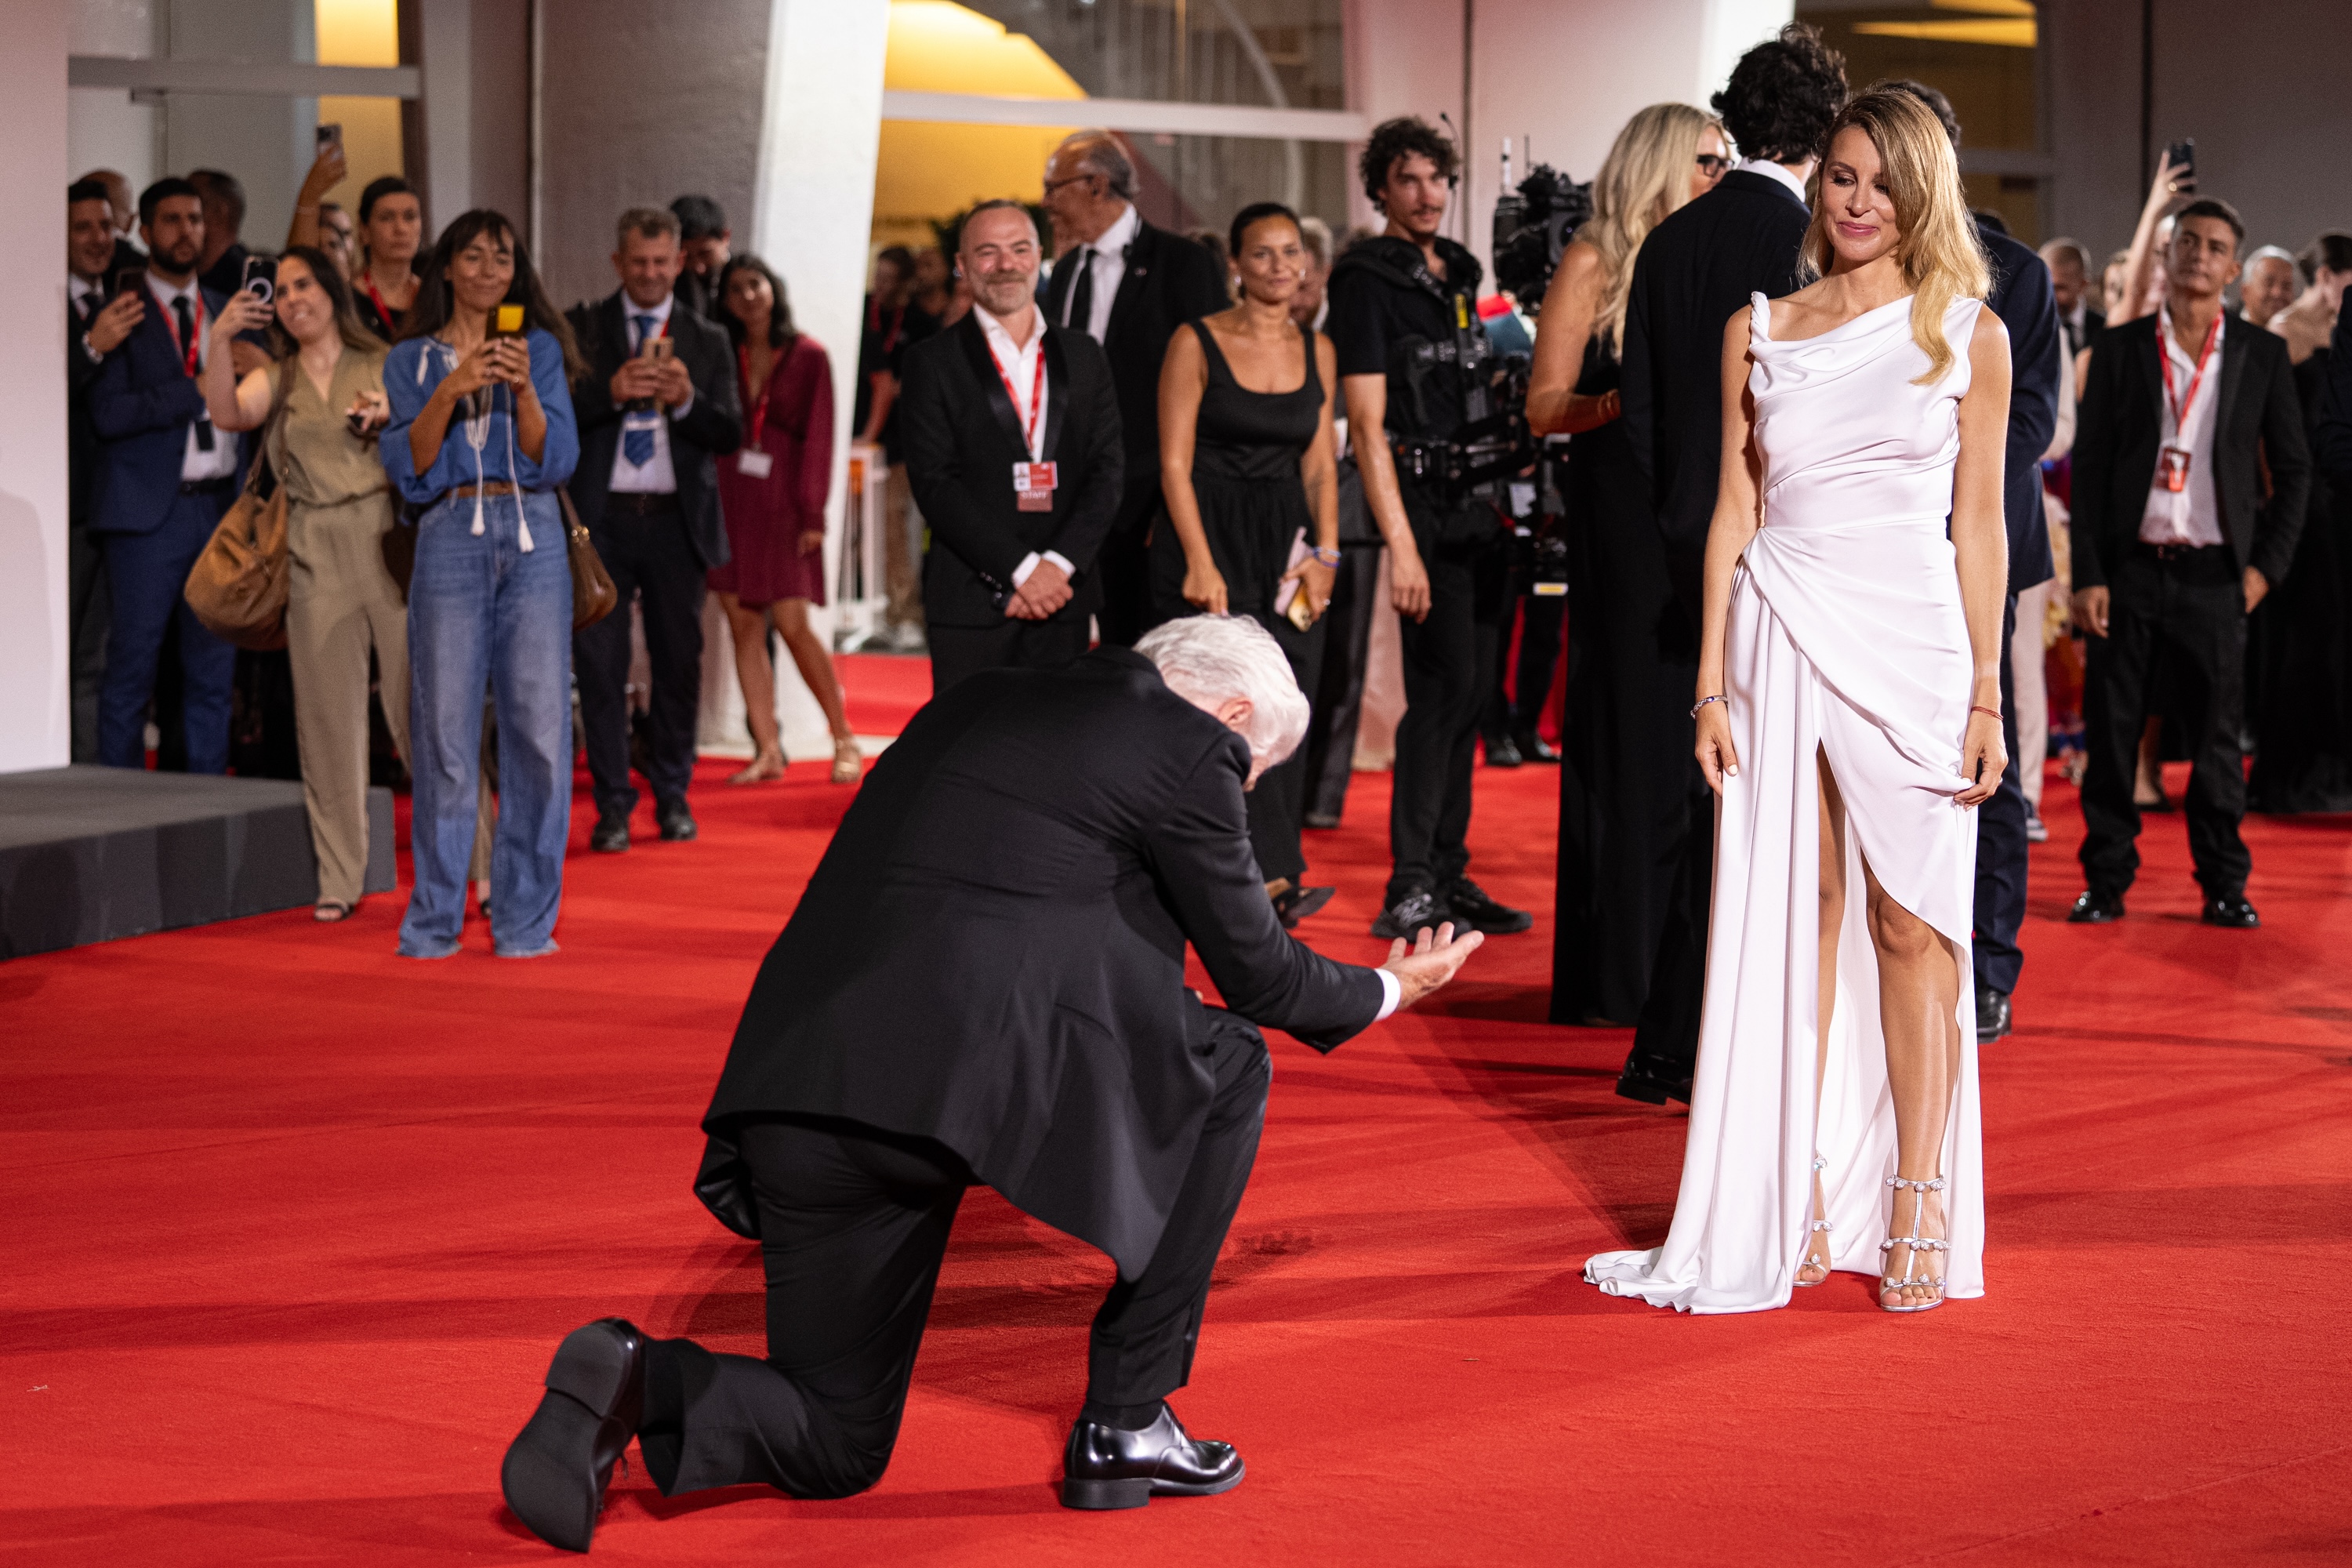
1129, 286
1010, 429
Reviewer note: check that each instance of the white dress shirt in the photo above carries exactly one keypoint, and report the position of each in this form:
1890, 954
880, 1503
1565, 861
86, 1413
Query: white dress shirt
1023, 366
1392, 993
2190, 516
1772, 171
1107, 256
196, 465
88, 295
656, 476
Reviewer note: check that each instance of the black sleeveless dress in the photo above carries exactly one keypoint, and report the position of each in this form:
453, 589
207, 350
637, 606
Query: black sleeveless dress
1246, 451
1624, 742
2299, 650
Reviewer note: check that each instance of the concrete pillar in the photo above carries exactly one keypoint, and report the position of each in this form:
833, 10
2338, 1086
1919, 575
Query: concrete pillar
33, 722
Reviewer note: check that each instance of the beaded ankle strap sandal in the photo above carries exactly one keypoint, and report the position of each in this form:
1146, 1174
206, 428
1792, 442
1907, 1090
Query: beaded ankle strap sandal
1806, 1259
1916, 1275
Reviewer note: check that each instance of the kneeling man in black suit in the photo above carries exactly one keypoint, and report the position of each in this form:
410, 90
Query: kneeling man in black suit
984, 984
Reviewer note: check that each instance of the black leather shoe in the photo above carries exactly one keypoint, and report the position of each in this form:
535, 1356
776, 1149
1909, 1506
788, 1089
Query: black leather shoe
2235, 913
2096, 908
676, 823
1473, 911
1408, 915
1534, 748
1502, 752
1105, 1467
1651, 1082
1992, 1015
1324, 819
558, 1466
1295, 904
611, 834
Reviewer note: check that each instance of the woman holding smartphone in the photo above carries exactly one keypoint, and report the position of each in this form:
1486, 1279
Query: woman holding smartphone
1250, 471
481, 434
324, 385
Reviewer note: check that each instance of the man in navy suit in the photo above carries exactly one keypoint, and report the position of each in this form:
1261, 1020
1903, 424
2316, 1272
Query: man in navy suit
164, 480
2024, 298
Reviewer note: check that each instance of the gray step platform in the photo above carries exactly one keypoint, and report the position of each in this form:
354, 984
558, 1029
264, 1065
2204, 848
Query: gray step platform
92, 854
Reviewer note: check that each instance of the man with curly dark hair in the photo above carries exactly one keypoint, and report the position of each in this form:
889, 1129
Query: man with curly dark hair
1413, 369
1694, 273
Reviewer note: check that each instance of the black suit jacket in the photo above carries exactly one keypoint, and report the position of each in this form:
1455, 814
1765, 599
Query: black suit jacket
2335, 427
1694, 272
713, 425
2020, 297
2259, 424
142, 402
961, 435
992, 952
1170, 280
83, 452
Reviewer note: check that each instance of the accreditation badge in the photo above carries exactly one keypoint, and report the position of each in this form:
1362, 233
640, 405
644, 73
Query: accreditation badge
2172, 468
1032, 486
754, 464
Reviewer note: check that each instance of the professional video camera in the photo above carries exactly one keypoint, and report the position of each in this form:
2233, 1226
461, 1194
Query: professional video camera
1533, 224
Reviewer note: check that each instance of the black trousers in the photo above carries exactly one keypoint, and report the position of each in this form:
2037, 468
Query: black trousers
853, 1225
1449, 660
1338, 693
1665, 1037
960, 651
1123, 566
2001, 849
2187, 607
86, 617
1541, 617
643, 544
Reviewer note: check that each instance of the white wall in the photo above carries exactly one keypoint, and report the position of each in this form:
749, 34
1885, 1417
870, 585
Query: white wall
104, 128
33, 117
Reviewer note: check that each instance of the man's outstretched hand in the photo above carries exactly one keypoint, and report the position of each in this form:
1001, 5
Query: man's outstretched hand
1430, 962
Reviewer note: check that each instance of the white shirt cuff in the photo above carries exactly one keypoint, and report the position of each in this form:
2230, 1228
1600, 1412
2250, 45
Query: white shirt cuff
683, 409
1392, 993
1030, 562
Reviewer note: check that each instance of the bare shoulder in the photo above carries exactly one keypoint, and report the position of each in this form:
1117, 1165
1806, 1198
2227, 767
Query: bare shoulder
1581, 260
1990, 336
1805, 313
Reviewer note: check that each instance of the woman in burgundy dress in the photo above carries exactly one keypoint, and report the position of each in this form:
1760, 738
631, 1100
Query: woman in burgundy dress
773, 494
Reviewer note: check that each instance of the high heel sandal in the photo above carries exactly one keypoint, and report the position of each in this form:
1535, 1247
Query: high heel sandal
762, 770
1821, 1227
1915, 1276
848, 762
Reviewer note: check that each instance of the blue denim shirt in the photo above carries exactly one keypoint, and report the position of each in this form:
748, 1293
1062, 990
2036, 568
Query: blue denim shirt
418, 365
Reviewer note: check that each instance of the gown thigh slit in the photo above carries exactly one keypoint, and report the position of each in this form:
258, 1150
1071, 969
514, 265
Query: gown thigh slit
1846, 658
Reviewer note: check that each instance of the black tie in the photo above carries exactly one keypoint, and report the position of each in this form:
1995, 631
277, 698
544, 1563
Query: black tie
187, 320
1081, 313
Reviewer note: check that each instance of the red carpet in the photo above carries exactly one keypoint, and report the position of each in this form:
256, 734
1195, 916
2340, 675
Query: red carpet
292, 1227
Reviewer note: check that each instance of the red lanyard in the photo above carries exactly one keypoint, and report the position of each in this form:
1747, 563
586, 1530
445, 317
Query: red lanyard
383, 310
1037, 381
874, 324
2163, 358
195, 329
759, 417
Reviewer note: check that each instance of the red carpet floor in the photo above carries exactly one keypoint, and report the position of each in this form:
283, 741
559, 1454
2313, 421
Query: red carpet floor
292, 1226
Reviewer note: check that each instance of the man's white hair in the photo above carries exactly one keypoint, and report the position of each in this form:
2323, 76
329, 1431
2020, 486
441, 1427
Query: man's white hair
1214, 658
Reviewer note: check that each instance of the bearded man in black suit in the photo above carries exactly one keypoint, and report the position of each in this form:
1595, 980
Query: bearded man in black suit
985, 985
1695, 271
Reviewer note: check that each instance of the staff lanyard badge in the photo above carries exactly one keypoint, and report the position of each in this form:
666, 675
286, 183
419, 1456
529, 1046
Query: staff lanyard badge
1032, 486
2172, 462
1033, 482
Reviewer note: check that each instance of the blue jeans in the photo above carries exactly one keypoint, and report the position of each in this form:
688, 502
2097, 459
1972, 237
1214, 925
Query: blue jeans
482, 610
148, 574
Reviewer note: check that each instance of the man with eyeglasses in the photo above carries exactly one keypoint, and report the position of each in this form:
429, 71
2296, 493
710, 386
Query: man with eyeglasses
1128, 285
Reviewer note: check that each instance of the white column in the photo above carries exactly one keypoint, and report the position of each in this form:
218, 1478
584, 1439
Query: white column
445, 45
34, 722
813, 211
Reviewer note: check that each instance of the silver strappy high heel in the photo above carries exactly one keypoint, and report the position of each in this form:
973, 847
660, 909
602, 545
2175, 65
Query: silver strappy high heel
1915, 1276
1806, 1259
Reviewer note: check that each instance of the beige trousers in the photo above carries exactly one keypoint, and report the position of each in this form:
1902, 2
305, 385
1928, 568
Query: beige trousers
340, 601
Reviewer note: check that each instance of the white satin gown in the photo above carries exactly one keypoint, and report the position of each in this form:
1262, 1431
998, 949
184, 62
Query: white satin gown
1845, 636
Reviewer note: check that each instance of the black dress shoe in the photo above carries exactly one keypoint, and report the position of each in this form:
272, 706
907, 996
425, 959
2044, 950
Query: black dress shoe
1406, 918
1652, 1081
2235, 913
1473, 911
1295, 904
1502, 752
559, 1465
1319, 819
1105, 1467
2096, 908
611, 834
1534, 748
676, 822
1992, 1015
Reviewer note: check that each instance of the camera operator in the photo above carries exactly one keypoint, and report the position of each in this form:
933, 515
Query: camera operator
1404, 318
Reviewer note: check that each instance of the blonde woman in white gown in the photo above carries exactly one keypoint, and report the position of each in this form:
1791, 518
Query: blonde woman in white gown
1849, 719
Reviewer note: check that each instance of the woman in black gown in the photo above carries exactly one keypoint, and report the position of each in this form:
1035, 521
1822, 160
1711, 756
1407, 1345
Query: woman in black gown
1248, 466
1625, 738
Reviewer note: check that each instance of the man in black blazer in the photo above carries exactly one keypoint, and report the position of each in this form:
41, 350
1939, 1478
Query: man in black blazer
164, 480
1694, 273
2174, 544
984, 984
1129, 286
1010, 428
96, 322
658, 409
2072, 285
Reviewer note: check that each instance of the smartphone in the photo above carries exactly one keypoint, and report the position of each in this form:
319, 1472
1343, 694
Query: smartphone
2182, 155
129, 279
658, 348
331, 135
506, 322
260, 278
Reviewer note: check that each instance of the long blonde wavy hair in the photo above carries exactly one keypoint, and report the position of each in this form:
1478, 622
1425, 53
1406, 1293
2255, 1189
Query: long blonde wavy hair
1646, 175
1937, 249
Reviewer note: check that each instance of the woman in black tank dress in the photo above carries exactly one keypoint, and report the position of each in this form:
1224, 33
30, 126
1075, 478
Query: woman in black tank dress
1250, 474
